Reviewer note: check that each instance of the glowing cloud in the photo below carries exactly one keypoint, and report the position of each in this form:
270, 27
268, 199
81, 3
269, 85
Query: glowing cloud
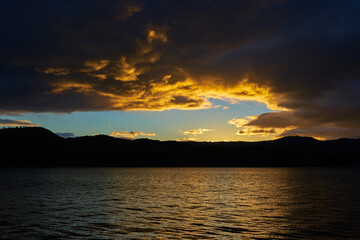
197, 131
57, 71
10, 122
125, 71
95, 65
130, 134
254, 131
240, 122
157, 34
248, 130
63, 86
162, 55
191, 139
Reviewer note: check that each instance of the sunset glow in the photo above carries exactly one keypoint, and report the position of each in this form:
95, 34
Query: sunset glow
246, 70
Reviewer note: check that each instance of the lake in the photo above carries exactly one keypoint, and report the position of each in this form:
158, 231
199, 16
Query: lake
180, 203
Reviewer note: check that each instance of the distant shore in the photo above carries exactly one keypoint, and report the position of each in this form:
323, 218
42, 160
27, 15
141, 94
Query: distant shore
39, 147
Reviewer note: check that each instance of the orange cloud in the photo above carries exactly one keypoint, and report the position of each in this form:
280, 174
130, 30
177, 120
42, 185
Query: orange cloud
240, 122
127, 83
130, 134
291, 123
197, 131
57, 71
142, 85
186, 139
95, 65
157, 34
10, 122
125, 71
314, 74
100, 76
248, 129
254, 131
164, 93
322, 132
63, 86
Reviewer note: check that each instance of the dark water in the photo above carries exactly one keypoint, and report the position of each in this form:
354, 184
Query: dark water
180, 203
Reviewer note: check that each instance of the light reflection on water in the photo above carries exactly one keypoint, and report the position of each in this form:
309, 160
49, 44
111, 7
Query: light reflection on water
175, 203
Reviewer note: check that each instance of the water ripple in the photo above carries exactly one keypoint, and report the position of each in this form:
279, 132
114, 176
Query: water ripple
175, 203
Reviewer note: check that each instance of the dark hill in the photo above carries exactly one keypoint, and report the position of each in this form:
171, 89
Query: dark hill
36, 146
28, 134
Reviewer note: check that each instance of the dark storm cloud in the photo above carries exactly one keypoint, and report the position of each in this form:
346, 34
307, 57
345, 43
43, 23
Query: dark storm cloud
302, 56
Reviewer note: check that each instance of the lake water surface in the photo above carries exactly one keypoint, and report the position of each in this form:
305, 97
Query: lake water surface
180, 203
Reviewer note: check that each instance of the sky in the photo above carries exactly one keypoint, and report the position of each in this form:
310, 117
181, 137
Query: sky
200, 70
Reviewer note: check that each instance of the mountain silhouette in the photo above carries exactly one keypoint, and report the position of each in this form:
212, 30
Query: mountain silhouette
37, 146
28, 134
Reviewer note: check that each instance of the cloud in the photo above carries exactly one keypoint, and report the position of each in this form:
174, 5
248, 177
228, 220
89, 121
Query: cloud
98, 62
293, 123
157, 34
262, 124
57, 71
125, 71
298, 57
323, 132
129, 10
197, 131
65, 134
64, 86
247, 129
10, 122
253, 131
191, 139
92, 66
130, 134
239, 122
